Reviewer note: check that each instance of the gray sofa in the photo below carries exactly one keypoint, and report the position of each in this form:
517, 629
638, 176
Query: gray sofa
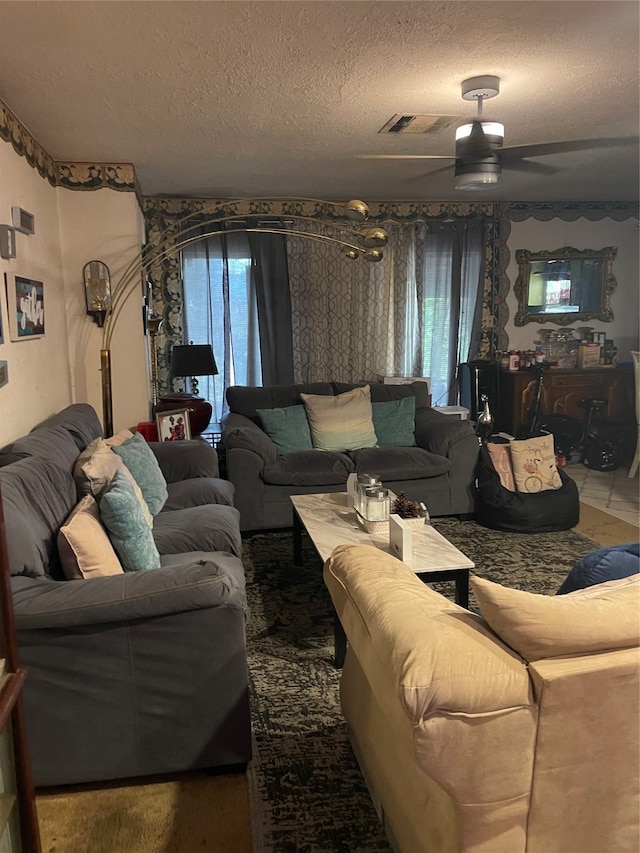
438, 470
137, 673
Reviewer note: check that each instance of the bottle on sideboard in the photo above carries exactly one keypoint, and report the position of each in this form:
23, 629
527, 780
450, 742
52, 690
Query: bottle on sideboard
484, 424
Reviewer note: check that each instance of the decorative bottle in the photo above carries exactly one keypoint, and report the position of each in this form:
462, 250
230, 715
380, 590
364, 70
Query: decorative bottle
484, 424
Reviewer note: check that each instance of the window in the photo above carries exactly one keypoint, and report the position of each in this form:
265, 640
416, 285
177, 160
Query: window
220, 308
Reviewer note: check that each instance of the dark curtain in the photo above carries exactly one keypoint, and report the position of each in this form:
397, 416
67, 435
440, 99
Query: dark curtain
449, 277
271, 281
236, 297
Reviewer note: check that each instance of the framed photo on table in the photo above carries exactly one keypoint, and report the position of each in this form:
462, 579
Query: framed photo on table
173, 425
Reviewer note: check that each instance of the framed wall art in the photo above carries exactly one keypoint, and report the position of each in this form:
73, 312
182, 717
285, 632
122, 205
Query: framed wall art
174, 425
26, 307
4, 373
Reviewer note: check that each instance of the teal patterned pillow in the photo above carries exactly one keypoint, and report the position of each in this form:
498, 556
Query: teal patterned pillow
395, 422
130, 535
288, 428
143, 465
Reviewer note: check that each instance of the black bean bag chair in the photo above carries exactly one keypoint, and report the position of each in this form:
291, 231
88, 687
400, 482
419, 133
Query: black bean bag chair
543, 512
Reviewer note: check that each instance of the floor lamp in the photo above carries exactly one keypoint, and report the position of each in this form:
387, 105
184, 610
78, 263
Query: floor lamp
347, 231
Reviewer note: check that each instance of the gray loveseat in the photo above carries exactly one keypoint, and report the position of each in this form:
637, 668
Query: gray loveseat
438, 470
137, 673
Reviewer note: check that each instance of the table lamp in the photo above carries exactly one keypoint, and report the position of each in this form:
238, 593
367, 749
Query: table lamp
190, 360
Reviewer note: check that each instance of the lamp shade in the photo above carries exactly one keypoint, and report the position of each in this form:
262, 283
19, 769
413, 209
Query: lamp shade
192, 360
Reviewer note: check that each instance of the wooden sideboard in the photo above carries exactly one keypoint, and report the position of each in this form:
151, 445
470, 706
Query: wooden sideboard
562, 392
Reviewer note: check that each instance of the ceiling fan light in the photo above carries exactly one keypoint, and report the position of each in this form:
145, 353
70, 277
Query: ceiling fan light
493, 130
476, 180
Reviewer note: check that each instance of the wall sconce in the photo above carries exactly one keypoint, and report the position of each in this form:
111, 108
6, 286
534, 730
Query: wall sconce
97, 290
7, 242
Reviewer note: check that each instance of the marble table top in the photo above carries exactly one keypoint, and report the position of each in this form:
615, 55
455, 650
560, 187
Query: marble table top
330, 522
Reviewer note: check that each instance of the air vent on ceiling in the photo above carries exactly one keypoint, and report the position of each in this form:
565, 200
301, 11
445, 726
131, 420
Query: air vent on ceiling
400, 123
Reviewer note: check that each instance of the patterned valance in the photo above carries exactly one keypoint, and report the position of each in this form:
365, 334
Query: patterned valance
161, 212
518, 211
72, 176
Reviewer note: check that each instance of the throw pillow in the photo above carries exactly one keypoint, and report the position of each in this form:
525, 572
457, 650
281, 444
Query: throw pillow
287, 427
128, 531
94, 470
119, 438
141, 461
343, 422
534, 465
394, 422
600, 618
83, 545
501, 459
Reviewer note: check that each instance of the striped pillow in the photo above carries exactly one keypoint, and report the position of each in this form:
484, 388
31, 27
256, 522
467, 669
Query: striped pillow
340, 423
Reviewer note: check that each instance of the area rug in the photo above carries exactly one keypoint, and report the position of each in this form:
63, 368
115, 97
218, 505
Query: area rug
306, 791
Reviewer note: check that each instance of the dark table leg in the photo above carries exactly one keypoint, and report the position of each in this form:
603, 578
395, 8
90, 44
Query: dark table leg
340, 642
297, 539
462, 588
461, 578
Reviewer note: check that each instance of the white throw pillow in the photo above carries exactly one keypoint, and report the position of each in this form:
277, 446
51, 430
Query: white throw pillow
599, 618
533, 461
343, 422
84, 546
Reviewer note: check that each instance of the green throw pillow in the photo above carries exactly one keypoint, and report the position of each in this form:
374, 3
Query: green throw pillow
342, 422
395, 422
143, 465
288, 428
130, 535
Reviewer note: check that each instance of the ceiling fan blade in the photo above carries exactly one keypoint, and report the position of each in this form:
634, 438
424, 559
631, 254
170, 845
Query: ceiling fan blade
435, 172
514, 153
404, 157
530, 167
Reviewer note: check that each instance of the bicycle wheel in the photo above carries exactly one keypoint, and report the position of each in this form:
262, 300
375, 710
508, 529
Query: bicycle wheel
532, 485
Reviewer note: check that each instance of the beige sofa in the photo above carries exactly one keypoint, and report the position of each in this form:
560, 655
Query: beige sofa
469, 745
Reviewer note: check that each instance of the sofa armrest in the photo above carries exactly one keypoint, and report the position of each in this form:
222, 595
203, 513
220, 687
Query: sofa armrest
240, 433
194, 581
442, 682
440, 433
185, 460
432, 655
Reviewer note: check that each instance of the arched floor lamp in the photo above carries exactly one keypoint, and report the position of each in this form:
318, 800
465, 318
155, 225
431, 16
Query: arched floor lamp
347, 234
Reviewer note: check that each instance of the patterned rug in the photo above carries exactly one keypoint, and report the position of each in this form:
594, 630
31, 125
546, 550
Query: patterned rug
307, 794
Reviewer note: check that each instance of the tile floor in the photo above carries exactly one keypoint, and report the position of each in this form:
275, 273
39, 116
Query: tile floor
611, 491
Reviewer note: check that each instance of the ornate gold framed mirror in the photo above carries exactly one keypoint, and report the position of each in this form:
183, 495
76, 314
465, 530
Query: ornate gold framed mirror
564, 285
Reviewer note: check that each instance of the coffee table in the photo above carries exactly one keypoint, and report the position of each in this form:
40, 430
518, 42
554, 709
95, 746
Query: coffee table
330, 522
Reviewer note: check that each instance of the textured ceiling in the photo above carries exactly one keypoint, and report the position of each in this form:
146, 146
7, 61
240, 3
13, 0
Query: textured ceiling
226, 99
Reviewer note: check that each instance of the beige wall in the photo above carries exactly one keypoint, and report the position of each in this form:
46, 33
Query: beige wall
71, 228
38, 369
107, 226
583, 234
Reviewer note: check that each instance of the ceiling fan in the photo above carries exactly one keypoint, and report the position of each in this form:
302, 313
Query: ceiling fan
479, 156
